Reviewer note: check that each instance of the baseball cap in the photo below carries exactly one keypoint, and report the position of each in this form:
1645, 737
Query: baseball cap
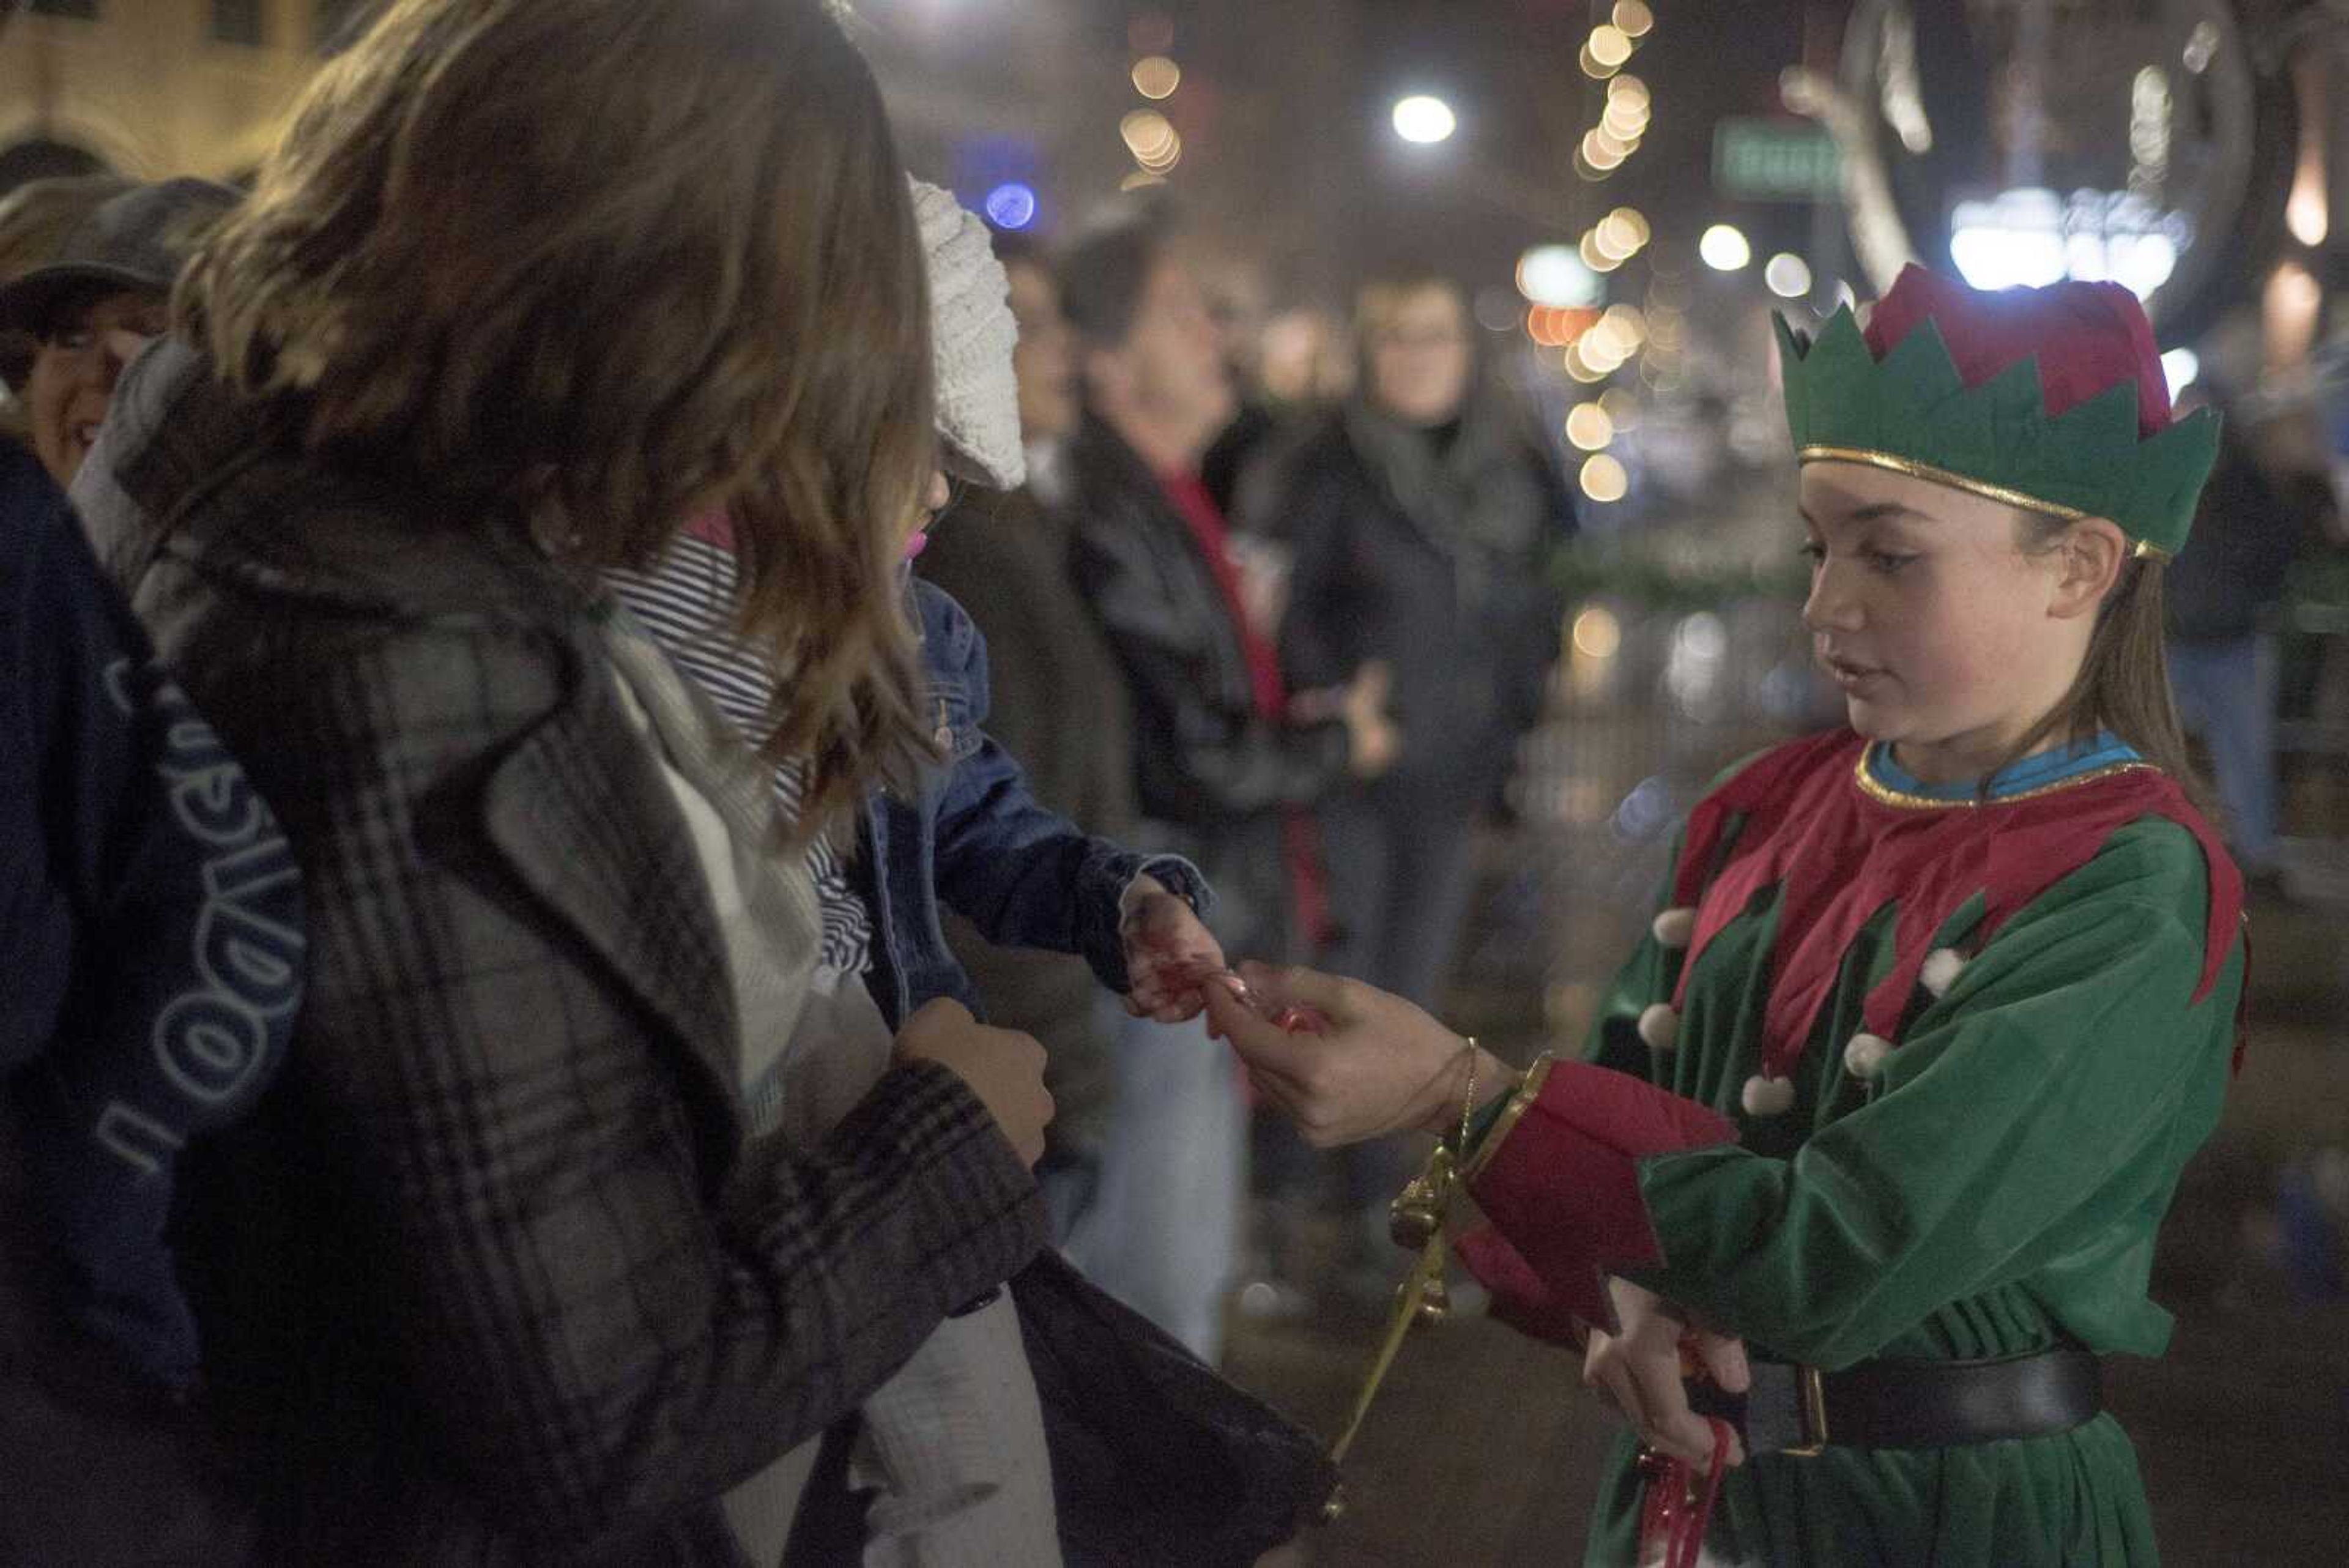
138, 240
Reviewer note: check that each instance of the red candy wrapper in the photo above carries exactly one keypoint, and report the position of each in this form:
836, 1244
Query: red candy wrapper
1289, 1019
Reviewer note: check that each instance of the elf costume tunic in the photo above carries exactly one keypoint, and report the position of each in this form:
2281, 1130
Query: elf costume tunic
1980, 1174
1901, 1072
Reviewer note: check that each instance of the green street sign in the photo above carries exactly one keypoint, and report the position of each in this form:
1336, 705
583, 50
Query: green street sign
1776, 160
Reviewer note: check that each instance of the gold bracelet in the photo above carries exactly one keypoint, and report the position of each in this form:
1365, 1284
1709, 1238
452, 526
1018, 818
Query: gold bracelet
1467, 1102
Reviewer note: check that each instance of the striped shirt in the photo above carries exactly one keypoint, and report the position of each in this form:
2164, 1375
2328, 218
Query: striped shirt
687, 606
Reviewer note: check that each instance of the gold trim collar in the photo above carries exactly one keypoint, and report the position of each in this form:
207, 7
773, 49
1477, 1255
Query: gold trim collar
1982, 487
1877, 790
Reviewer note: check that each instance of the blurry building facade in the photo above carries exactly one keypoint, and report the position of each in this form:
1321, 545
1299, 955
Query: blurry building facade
154, 88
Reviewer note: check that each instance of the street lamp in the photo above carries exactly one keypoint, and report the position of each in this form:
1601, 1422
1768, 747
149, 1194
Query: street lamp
1425, 120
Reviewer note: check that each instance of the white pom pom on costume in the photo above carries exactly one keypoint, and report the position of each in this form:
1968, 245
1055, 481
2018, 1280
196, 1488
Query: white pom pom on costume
1659, 1026
1768, 1096
1675, 927
1942, 968
1864, 1057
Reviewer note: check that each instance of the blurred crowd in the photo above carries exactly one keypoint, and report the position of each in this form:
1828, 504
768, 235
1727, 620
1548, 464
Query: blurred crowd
471, 548
1297, 638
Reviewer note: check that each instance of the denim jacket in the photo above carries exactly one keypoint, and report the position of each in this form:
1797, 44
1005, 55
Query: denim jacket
973, 836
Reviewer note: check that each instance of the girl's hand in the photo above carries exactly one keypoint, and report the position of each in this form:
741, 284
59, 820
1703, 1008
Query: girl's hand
1375, 1063
1638, 1370
1167, 947
1003, 1067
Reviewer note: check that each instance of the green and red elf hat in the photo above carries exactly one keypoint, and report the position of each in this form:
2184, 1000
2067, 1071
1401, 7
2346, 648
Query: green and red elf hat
2049, 399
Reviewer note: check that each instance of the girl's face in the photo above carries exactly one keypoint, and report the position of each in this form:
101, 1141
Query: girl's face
1947, 639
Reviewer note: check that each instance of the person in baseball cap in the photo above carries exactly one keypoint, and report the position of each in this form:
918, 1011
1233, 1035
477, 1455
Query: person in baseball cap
101, 299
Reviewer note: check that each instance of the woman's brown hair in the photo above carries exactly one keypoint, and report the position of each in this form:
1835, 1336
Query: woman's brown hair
607, 265
2124, 680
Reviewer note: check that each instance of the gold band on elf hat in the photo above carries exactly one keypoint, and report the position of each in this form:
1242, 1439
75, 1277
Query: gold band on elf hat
2048, 399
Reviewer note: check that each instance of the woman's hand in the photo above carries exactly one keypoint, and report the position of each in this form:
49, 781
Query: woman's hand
1638, 1370
1373, 741
1167, 947
1378, 1066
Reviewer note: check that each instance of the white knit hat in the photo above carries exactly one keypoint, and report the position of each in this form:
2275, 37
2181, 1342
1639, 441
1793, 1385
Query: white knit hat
972, 335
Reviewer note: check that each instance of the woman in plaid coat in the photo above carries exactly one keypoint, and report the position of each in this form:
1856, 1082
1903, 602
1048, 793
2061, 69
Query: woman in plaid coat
493, 1273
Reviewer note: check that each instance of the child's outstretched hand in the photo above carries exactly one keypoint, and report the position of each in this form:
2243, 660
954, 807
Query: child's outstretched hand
1167, 949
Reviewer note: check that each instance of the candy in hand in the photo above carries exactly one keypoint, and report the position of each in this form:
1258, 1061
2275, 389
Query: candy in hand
1290, 1019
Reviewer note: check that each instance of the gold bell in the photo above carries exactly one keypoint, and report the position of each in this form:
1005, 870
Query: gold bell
1411, 1220
1417, 1211
1434, 1301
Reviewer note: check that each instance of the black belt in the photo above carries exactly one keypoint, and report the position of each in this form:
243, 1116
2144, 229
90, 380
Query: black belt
1895, 1403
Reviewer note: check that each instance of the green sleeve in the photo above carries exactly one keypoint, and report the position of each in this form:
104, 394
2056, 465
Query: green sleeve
2030, 1126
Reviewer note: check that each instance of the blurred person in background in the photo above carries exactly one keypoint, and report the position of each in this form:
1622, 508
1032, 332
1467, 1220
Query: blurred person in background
1306, 359
1226, 762
1059, 705
1237, 304
1418, 522
138, 858
2226, 587
1043, 363
521, 1286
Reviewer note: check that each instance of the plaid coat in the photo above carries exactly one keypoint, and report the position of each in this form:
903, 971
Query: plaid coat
492, 1274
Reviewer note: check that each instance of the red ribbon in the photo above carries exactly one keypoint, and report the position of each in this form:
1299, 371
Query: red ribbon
1675, 1514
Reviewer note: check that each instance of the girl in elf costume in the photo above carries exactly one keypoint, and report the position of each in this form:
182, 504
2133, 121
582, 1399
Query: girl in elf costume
1876, 1127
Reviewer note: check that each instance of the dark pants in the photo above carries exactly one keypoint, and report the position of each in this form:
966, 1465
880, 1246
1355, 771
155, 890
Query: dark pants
1399, 873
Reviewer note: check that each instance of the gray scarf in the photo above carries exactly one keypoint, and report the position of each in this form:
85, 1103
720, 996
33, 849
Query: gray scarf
1476, 499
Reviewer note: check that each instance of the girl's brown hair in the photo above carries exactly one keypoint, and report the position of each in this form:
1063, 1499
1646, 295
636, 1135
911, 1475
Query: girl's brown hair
2123, 681
605, 264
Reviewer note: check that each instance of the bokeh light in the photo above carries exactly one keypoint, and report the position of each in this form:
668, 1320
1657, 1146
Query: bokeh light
1597, 633
1724, 248
1011, 205
1156, 76
1589, 427
1788, 275
1604, 479
1147, 132
2180, 367
1555, 275
1425, 120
